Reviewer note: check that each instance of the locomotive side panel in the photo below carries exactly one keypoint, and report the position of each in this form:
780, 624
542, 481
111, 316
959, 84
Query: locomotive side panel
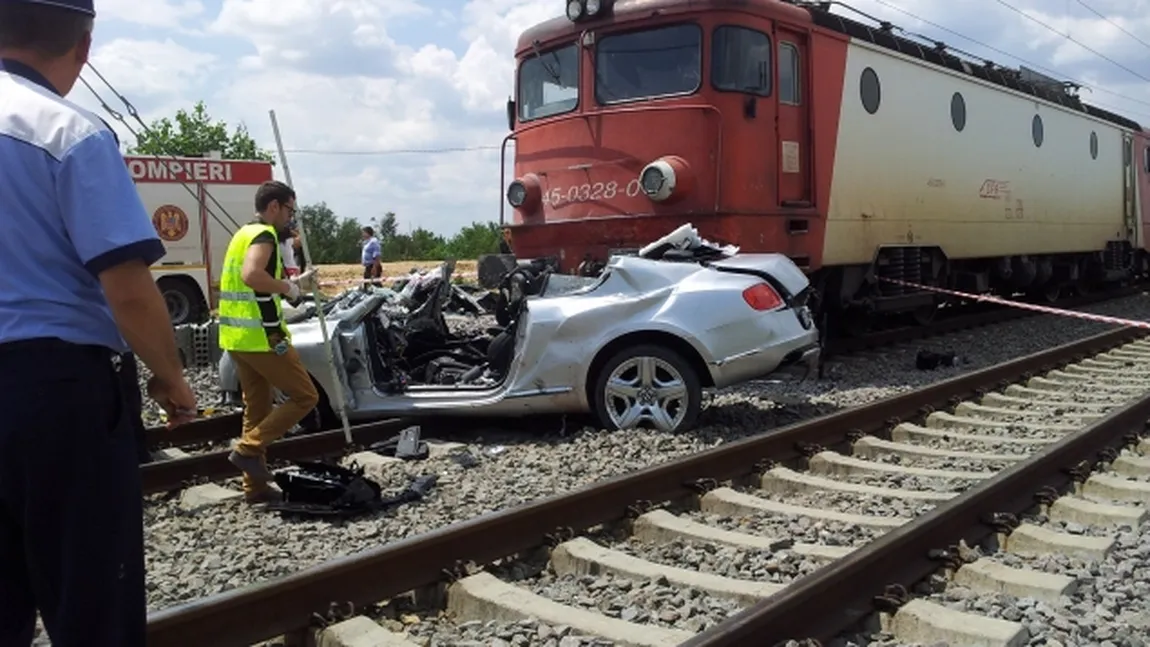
1142, 188
930, 157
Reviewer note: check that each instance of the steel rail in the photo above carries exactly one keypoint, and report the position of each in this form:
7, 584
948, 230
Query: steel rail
830, 600
207, 430
162, 476
269, 609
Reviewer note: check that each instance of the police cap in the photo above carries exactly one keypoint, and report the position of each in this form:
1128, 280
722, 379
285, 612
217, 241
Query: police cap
81, 6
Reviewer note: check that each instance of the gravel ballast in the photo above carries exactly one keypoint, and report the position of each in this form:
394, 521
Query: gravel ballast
801, 530
1107, 608
653, 602
776, 567
191, 555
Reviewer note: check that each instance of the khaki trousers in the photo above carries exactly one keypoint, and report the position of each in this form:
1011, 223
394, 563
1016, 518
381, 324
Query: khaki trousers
259, 373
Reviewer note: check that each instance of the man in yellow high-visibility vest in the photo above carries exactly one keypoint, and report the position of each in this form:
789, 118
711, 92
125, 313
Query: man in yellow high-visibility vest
253, 331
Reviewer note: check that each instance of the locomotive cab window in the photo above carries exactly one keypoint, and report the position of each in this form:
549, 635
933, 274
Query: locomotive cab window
549, 83
741, 61
648, 64
789, 90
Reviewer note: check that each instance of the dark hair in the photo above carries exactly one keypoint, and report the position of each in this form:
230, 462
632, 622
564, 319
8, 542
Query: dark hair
46, 30
273, 191
369, 231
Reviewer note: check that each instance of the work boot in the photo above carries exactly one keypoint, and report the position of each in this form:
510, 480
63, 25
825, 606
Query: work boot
252, 466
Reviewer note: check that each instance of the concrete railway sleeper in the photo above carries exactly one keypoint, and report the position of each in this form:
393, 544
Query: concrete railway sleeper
918, 480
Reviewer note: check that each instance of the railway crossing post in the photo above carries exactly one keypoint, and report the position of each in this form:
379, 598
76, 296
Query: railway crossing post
341, 405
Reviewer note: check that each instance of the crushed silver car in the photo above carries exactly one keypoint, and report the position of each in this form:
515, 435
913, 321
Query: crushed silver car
635, 346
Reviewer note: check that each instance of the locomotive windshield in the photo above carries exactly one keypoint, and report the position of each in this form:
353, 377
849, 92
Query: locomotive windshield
741, 60
549, 83
651, 63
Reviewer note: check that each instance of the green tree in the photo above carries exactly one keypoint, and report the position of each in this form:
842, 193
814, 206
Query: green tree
335, 240
327, 238
194, 134
387, 226
475, 240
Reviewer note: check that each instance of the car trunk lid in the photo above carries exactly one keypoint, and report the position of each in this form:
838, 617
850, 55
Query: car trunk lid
776, 269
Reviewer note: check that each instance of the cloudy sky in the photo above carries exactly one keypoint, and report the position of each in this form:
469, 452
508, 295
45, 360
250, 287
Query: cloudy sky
354, 82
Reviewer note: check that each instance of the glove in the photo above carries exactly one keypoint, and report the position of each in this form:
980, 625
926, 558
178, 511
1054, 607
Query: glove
308, 280
293, 290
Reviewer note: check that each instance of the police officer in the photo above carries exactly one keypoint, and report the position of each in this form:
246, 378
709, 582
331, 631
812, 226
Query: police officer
74, 285
253, 332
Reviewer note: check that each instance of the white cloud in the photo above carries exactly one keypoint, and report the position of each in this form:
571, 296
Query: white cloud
143, 67
167, 14
375, 75
352, 113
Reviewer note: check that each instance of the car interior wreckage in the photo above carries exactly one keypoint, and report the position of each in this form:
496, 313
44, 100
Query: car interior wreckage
635, 345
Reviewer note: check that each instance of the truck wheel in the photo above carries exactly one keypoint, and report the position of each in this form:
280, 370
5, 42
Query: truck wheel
647, 384
184, 301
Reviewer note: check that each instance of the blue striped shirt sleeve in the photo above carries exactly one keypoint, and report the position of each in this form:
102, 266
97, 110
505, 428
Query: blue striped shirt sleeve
103, 214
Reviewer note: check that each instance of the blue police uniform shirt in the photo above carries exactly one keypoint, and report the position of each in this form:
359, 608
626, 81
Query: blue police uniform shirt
70, 211
83, 6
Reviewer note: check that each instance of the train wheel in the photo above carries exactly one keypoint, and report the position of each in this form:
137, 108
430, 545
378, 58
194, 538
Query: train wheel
855, 322
924, 315
1051, 292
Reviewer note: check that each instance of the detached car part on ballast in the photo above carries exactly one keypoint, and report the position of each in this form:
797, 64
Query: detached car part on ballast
323, 489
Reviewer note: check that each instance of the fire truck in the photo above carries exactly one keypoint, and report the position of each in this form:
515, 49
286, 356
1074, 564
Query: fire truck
196, 204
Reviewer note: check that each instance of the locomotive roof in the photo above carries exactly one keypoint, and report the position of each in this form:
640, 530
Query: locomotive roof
799, 11
561, 27
938, 54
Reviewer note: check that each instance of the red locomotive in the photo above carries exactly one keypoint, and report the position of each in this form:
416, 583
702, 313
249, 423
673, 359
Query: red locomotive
780, 126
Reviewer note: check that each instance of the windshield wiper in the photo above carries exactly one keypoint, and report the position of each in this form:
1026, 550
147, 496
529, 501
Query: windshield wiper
539, 55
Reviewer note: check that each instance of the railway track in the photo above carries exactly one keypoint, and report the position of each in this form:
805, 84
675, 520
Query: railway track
223, 427
174, 468
923, 479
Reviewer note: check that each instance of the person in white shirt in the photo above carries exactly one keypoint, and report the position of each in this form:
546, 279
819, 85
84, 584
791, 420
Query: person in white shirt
288, 243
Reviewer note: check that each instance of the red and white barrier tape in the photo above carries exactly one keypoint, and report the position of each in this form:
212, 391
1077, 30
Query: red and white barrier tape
1025, 306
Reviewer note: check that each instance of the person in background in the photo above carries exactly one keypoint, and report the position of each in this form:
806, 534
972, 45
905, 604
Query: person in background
372, 263
253, 331
289, 240
297, 247
76, 294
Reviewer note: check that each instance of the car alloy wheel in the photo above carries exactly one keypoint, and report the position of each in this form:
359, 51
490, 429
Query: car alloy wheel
648, 384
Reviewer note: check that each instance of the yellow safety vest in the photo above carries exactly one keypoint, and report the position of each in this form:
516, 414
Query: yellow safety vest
241, 325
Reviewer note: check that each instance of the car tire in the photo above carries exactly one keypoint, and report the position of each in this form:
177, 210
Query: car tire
614, 406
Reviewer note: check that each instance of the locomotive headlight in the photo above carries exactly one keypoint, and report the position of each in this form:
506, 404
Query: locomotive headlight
593, 7
575, 10
525, 194
516, 194
652, 180
658, 180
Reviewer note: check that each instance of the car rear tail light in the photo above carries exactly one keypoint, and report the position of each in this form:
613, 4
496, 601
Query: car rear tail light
762, 297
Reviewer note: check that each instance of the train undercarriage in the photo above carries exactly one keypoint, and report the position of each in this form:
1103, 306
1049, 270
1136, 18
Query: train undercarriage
857, 299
